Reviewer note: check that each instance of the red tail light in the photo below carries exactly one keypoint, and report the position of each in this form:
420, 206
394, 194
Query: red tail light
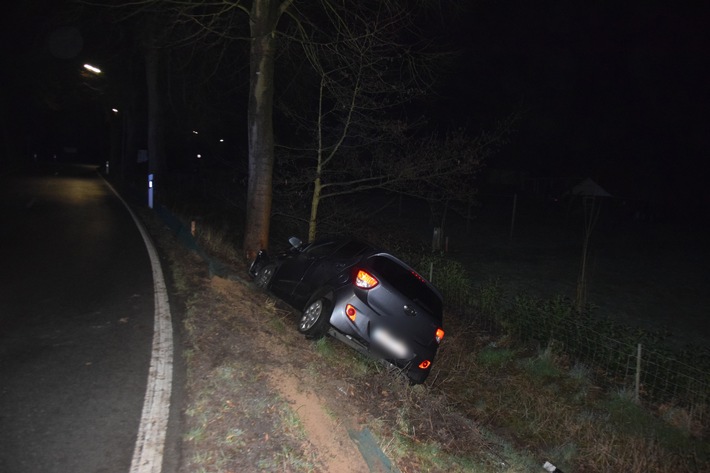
351, 312
425, 364
365, 280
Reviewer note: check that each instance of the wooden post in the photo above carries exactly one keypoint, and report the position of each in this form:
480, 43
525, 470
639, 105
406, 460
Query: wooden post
512, 219
436, 239
637, 387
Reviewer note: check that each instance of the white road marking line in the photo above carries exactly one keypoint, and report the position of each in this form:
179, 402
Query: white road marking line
150, 443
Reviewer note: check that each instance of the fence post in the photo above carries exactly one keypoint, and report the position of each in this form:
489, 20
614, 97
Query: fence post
637, 386
436, 239
431, 272
512, 218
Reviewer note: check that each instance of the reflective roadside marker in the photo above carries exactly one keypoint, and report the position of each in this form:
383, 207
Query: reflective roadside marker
150, 190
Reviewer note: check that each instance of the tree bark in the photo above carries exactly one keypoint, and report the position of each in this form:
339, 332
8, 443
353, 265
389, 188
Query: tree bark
156, 156
263, 19
315, 201
156, 150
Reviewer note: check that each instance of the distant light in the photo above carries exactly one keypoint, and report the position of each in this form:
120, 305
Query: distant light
199, 156
221, 140
195, 132
93, 69
114, 110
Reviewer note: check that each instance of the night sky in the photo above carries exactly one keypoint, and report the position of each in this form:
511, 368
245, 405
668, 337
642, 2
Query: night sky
615, 91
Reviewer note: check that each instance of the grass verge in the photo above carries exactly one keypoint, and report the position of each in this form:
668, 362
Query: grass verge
492, 404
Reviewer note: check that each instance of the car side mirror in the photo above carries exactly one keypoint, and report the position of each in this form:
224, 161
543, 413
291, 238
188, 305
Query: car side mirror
295, 242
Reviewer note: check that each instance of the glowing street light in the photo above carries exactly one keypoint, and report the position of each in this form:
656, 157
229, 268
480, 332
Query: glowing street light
93, 69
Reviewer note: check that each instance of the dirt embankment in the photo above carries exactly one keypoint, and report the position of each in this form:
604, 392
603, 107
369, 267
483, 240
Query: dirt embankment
257, 398
327, 432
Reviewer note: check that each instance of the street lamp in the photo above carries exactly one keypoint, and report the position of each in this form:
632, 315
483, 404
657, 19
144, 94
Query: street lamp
93, 69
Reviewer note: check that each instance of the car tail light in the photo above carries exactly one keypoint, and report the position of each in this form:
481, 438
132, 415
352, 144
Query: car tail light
350, 312
439, 335
425, 364
365, 280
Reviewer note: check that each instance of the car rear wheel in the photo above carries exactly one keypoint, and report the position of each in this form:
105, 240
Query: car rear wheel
417, 376
264, 275
315, 320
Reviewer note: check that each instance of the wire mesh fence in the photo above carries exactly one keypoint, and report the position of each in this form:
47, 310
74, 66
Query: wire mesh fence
619, 357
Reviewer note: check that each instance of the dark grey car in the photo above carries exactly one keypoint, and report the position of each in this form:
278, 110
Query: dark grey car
360, 295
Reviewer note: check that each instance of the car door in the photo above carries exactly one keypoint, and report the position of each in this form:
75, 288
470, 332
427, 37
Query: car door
327, 268
292, 269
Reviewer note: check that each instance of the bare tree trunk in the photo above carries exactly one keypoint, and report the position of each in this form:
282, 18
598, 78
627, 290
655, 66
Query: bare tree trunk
263, 18
315, 201
7, 135
131, 145
156, 153
317, 183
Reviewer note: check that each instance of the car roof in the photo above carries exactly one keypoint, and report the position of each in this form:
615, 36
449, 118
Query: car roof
370, 250
342, 239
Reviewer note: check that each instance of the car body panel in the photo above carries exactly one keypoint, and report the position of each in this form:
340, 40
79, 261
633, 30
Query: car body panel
396, 320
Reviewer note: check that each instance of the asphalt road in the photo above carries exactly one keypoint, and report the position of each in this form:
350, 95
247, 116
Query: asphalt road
76, 323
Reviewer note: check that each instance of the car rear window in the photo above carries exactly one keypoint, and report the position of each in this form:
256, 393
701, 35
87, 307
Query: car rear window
408, 283
350, 250
319, 249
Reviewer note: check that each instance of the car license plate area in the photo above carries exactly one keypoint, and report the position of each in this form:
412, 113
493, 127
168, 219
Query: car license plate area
391, 344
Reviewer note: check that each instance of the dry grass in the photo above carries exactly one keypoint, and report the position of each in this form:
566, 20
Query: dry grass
543, 405
490, 405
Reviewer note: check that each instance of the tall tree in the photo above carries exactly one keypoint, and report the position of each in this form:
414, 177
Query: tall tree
263, 19
153, 54
134, 58
208, 20
368, 64
361, 73
366, 58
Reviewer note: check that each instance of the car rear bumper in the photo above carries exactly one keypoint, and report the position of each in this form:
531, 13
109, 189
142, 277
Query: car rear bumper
358, 333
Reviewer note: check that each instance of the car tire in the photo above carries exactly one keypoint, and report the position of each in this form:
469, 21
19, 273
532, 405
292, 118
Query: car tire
315, 319
417, 376
264, 275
